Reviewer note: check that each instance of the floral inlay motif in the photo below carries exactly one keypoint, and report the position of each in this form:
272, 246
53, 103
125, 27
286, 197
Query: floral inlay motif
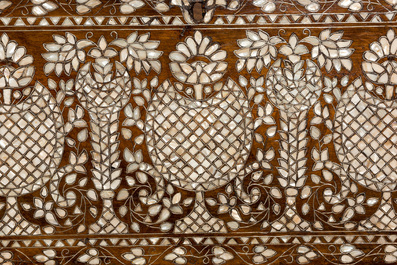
198, 132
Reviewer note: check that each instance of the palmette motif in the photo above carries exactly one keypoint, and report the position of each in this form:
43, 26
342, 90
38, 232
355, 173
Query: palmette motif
197, 144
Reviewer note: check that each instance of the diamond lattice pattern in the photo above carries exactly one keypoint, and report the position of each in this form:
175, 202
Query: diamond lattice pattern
199, 145
369, 137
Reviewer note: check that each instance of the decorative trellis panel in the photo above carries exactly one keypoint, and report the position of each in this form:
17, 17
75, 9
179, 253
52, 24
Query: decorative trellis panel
198, 132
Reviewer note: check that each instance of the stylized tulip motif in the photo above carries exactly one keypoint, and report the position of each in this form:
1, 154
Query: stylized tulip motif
31, 136
104, 94
195, 144
103, 97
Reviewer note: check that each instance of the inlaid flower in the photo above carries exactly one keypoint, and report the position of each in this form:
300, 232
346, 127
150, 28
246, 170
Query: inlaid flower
350, 253
293, 50
47, 257
380, 64
306, 254
85, 6
310, 5
226, 203
42, 7
106, 89
103, 92
267, 6
262, 254
65, 54
44, 210
331, 50
352, 5
177, 256
138, 52
135, 256
16, 69
208, 64
173, 204
221, 255
102, 54
90, 257
130, 6
257, 50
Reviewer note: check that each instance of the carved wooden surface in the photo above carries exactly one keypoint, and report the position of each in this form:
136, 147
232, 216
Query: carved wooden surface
198, 132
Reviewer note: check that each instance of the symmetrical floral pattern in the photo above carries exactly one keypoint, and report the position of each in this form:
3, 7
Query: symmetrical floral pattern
223, 127
124, 141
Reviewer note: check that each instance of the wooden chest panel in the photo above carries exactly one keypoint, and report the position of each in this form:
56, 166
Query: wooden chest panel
198, 132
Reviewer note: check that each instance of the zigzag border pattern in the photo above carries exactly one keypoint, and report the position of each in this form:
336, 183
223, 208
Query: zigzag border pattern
163, 240
271, 20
